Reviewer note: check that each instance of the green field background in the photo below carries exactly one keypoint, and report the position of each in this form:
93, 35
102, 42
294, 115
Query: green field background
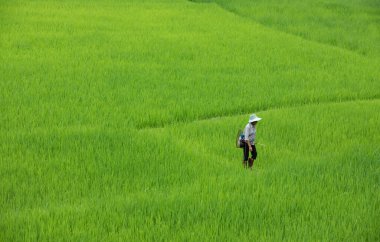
118, 120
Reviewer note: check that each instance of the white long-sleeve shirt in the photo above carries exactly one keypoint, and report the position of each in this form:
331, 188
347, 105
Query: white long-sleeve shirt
250, 133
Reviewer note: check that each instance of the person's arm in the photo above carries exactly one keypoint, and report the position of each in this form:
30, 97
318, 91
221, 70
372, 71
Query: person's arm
249, 145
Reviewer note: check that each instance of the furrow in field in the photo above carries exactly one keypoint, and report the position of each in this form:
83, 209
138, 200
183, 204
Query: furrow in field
238, 14
298, 105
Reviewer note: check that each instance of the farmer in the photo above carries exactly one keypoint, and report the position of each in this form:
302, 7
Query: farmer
250, 136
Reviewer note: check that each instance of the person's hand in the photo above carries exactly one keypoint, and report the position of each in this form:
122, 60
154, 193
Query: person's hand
250, 148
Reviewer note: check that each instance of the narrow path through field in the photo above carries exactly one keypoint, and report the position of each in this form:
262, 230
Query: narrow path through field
321, 102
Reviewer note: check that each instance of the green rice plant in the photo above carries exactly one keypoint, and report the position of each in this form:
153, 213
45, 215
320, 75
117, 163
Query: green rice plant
351, 25
163, 71
118, 122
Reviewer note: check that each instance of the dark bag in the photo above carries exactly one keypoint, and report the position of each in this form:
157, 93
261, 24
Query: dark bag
240, 142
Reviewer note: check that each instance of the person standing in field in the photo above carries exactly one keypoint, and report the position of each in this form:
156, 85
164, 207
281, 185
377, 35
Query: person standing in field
249, 138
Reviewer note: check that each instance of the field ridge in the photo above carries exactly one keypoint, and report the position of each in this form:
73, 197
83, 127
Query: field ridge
294, 105
240, 15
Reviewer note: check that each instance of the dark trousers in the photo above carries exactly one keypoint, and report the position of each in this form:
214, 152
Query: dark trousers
246, 152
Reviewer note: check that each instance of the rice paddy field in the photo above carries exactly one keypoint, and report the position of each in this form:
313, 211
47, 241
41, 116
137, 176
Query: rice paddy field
118, 120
